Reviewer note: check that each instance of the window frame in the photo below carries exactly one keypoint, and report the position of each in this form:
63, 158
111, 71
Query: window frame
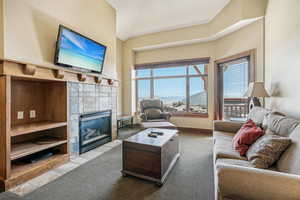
187, 78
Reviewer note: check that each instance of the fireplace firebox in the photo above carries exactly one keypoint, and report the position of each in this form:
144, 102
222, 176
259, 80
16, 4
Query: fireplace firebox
94, 130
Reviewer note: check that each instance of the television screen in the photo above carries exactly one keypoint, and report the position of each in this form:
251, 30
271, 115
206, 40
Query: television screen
76, 50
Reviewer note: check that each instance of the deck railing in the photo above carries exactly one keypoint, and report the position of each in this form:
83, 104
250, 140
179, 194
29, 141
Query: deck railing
235, 108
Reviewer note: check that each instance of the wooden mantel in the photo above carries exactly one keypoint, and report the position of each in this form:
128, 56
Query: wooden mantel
54, 73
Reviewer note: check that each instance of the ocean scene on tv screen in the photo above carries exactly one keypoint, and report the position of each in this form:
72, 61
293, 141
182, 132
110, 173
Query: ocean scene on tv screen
80, 52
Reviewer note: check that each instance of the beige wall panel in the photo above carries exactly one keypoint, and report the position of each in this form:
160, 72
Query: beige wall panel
31, 28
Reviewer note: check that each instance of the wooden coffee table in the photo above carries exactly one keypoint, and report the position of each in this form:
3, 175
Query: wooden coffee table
150, 158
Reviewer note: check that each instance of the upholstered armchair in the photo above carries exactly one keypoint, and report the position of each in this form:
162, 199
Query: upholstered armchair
152, 110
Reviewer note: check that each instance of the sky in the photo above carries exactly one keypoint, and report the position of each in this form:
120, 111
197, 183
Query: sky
81, 45
236, 80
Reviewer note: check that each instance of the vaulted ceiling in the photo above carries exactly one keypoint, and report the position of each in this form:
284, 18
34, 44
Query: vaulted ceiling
139, 17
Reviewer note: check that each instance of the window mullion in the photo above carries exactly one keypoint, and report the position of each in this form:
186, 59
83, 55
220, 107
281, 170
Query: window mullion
151, 84
187, 89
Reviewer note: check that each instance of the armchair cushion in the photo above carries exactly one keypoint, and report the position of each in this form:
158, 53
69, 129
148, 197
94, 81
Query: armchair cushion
153, 113
151, 103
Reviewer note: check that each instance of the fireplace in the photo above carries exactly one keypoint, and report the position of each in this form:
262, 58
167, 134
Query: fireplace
94, 130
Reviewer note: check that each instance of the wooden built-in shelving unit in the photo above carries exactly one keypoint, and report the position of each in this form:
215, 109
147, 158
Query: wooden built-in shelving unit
25, 87
21, 139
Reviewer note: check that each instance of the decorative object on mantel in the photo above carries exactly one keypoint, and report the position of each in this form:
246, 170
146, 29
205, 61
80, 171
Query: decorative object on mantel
255, 90
60, 74
29, 69
98, 79
110, 81
82, 77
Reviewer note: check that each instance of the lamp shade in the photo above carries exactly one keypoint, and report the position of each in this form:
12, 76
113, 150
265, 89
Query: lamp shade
256, 89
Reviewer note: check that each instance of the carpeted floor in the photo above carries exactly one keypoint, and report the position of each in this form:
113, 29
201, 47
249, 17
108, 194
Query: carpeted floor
100, 179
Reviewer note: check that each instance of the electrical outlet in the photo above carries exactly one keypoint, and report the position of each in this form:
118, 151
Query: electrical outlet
32, 114
20, 115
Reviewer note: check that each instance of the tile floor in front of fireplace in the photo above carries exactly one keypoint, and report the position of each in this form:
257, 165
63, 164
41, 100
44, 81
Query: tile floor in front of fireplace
75, 162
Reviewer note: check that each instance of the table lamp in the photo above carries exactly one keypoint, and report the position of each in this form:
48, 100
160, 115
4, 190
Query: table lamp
255, 90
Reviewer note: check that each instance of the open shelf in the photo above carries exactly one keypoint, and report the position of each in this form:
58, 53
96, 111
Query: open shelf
20, 150
35, 127
21, 169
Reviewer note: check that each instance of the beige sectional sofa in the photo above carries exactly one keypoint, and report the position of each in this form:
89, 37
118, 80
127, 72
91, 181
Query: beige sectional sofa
237, 179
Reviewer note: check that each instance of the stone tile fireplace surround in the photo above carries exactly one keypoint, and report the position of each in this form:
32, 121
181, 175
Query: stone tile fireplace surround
87, 98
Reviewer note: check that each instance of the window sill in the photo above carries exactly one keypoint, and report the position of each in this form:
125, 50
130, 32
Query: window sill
186, 114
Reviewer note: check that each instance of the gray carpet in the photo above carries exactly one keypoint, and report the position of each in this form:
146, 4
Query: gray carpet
9, 196
100, 179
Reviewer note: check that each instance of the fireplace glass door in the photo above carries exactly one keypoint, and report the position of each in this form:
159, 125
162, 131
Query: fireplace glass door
94, 129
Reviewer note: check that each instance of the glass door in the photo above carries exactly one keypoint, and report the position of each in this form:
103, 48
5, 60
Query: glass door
235, 78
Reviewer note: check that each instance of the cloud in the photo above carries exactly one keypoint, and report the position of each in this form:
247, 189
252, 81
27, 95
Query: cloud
72, 38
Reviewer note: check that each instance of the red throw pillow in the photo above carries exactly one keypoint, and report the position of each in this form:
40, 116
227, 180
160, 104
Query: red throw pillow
246, 136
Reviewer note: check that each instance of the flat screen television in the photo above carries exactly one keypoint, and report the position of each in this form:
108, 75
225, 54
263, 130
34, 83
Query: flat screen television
79, 52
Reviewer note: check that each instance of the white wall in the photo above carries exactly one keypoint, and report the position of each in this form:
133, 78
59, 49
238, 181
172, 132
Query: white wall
283, 55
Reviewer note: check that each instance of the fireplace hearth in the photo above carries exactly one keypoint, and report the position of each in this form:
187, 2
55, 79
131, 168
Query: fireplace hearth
94, 130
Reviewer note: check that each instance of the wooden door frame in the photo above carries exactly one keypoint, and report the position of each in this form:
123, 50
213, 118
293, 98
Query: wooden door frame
217, 79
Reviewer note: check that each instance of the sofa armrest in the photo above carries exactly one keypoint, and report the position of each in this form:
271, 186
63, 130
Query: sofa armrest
227, 126
256, 184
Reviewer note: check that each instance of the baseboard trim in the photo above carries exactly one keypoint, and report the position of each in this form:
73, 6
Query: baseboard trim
195, 130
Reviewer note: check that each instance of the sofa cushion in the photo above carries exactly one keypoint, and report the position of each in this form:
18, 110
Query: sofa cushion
289, 161
243, 163
246, 136
257, 115
223, 147
267, 150
227, 126
279, 125
221, 135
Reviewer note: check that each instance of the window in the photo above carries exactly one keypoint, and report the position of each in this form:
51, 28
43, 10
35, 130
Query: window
183, 89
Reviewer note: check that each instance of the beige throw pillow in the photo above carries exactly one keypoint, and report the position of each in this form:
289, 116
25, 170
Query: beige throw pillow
267, 150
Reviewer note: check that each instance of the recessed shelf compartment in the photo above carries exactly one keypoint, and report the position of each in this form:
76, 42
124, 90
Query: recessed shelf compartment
35, 127
21, 172
23, 149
